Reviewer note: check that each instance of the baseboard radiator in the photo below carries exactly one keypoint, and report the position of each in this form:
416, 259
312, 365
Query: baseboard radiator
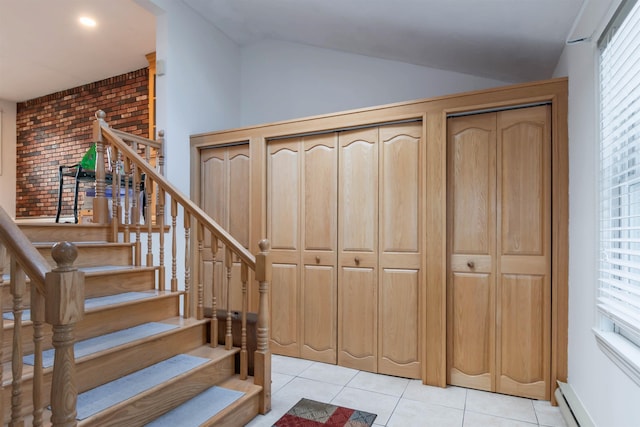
574, 413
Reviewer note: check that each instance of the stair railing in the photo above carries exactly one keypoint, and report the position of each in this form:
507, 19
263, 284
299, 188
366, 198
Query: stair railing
146, 182
57, 298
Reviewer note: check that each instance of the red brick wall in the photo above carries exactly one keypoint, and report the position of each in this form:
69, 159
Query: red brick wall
56, 130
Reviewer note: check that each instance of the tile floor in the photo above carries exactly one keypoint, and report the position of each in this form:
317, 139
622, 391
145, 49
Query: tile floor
398, 402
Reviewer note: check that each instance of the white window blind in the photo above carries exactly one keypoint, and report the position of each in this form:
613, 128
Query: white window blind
619, 285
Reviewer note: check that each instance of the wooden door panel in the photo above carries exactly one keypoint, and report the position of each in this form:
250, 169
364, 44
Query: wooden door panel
319, 311
399, 187
283, 194
471, 238
213, 187
320, 193
238, 194
398, 352
358, 198
522, 168
284, 310
472, 184
357, 318
522, 365
472, 319
524, 249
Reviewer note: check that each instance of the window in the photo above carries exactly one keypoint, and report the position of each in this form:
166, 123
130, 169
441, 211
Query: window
618, 331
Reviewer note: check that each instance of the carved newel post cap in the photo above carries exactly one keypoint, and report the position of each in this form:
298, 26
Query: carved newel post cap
161, 134
264, 245
64, 254
101, 115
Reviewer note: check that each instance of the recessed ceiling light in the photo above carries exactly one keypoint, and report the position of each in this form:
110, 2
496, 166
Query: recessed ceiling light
87, 22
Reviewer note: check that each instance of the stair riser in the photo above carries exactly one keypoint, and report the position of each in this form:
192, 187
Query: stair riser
100, 322
96, 286
68, 232
96, 255
109, 366
239, 415
146, 407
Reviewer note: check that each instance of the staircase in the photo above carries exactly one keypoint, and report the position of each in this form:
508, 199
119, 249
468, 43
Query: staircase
91, 337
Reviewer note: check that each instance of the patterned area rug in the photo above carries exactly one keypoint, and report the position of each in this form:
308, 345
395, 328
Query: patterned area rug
309, 413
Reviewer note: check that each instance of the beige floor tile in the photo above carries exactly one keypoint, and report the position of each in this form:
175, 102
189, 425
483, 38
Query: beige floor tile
548, 416
453, 397
384, 384
279, 380
516, 408
411, 413
474, 419
329, 373
298, 388
289, 365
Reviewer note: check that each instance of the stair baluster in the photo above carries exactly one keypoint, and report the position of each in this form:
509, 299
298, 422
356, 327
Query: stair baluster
214, 299
244, 360
18, 286
200, 273
136, 213
148, 186
37, 317
228, 261
116, 208
126, 166
160, 222
187, 264
174, 246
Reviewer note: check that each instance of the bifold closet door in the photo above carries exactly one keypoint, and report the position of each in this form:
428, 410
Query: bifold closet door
358, 249
499, 243
302, 227
225, 197
399, 250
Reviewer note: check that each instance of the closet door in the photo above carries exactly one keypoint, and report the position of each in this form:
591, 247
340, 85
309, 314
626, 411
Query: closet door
499, 237
471, 243
399, 250
318, 309
524, 249
358, 249
224, 197
283, 231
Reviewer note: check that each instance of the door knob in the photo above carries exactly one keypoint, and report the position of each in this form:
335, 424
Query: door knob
357, 260
317, 260
470, 264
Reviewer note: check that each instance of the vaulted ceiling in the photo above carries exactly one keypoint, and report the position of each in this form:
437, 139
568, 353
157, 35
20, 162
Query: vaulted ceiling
44, 50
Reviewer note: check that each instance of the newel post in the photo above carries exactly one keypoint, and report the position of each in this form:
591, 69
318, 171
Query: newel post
100, 203
64, 307
262, 360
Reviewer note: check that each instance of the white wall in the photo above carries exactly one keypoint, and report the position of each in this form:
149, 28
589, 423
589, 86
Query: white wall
282, 80
200, 87
610, 397
8, 156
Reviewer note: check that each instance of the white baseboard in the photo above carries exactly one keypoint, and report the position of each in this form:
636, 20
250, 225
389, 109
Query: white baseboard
573, 412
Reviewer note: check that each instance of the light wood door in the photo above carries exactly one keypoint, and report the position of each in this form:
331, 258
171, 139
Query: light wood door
498, 293
319, 197
302, 225
283, 231
399, 250
224, 197
358, 249
523, 335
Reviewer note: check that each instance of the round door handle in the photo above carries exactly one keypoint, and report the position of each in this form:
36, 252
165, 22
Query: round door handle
317, 260
357, 260
470, 264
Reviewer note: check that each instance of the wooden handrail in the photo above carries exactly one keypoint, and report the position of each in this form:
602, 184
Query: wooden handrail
139, 139
113, 137
32, 262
